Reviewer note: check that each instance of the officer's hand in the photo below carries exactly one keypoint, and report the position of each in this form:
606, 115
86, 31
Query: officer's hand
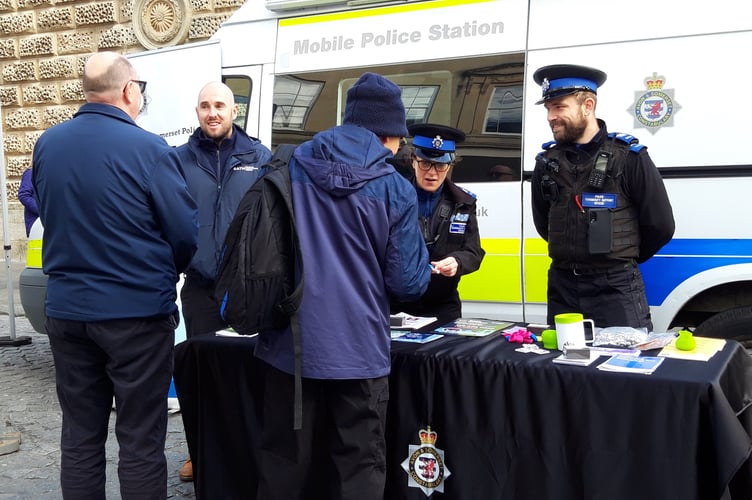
446, 267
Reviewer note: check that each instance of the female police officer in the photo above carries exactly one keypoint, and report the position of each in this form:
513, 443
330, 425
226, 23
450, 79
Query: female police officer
447, 220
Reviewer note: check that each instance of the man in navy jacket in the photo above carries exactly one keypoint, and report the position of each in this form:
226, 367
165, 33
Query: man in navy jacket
119, 226
220, 162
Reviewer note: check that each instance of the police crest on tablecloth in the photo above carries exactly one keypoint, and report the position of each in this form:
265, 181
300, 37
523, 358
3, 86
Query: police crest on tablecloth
425, 465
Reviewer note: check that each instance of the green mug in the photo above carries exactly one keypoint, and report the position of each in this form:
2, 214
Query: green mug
549, 339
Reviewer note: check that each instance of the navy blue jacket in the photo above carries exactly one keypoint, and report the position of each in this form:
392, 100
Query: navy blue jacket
218, 186
119, 223
357, 221
26, 197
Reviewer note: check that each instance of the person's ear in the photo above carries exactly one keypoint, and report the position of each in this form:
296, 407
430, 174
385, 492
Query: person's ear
589, 105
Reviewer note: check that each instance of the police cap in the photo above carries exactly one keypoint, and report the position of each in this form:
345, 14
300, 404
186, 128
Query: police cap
558, 80
435, 143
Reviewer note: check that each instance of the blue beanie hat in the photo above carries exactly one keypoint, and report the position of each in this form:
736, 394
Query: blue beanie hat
376, 104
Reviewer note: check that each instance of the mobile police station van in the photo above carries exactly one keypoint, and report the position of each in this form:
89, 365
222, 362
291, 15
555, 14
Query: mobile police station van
679, 87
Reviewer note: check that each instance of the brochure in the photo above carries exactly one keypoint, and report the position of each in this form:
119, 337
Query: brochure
703, 351
473, 327
404, 321
409, 336
631, 364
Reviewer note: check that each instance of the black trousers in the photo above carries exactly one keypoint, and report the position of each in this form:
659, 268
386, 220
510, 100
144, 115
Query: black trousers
130, 359
614, 297
339, 454
200, 309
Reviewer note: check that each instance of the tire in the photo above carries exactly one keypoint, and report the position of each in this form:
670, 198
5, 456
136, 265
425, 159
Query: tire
730, 324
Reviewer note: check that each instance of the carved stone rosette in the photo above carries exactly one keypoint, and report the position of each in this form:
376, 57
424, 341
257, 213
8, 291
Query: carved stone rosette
161, 23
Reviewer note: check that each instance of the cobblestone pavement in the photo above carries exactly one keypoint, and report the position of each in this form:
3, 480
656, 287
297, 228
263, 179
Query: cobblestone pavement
29, 406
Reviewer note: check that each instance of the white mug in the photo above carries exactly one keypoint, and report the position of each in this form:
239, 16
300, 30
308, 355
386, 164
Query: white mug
570, 329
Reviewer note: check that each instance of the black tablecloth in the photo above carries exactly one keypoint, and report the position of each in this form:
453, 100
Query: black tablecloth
511, 425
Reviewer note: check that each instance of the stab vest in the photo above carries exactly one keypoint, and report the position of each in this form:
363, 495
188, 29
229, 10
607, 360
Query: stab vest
570, 224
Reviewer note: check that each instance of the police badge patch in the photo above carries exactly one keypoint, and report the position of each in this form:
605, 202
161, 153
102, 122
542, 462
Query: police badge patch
425, 464
656, 107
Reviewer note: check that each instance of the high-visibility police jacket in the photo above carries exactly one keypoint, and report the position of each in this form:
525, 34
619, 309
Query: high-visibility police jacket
628, 217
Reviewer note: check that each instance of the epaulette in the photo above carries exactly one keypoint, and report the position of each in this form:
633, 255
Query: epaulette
548, 145
468, 192
630, 140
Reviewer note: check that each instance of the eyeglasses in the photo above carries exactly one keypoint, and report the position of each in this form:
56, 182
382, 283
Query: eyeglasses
141, 85
427, 165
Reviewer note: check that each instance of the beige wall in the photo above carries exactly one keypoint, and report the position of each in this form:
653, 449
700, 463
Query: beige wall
43, 45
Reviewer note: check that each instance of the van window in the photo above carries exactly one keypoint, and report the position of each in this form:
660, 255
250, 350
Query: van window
293, 99
480, 95
504, 114
241, 87
418, 101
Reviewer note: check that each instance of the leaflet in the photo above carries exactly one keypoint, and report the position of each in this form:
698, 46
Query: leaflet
703, 351
473, 327
410, 336
631, 364
404, 321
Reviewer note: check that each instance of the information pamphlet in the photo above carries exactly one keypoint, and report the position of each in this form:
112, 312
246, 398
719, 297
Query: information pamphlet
404, 321
473, 327
410, 336
631, 364
703, 351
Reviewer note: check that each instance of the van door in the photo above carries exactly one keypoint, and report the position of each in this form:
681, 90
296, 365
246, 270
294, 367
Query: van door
246, 85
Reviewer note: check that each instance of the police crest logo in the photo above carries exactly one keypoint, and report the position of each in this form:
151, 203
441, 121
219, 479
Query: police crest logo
656, 107
425, 465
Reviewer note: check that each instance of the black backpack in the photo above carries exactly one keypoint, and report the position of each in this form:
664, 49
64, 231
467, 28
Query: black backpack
260, 282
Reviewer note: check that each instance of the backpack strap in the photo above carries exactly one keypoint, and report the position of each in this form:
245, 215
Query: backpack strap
282, 155
291, 304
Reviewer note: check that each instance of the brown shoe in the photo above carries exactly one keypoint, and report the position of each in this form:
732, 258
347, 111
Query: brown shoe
186, 471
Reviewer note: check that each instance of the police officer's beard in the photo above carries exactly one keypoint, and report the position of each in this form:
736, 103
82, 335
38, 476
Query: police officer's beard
571, 131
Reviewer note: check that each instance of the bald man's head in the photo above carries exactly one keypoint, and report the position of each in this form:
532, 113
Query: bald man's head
106, 72
110, 78
216, 110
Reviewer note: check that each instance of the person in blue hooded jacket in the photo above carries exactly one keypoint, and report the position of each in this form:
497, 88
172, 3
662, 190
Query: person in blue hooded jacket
119, 227
357, 221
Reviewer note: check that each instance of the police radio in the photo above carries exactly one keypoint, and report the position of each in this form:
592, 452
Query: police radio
598, 174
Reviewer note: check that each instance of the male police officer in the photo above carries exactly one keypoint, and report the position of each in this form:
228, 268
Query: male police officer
599, 202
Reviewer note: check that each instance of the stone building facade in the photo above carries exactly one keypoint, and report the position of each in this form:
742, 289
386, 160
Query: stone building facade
43, 47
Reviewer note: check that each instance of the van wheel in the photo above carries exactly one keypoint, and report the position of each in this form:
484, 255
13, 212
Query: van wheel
730, 324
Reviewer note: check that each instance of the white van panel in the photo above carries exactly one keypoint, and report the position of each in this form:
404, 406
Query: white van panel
174, 79
557, 23
406, 33
697, 70
246, 44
